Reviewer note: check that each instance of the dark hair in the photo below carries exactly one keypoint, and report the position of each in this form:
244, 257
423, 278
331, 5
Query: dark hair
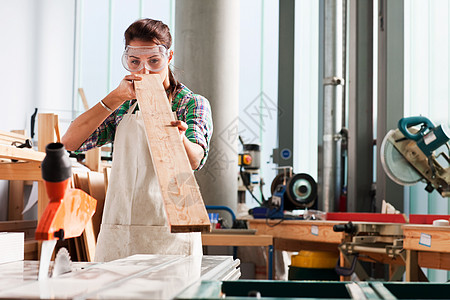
155, 31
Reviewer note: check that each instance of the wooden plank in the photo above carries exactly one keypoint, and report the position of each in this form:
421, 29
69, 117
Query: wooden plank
16, 226
57, 134
183, 202
46, 135
236, 240
15, 200
7, 138
107, 173
93, 159
28, 227
16, 193
89, 241
83, 98
427, 238
20, 171
96, 182
81, 181
11, 152
434, 260
314, 231
30, 250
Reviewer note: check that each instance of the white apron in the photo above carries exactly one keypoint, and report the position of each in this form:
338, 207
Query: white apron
134, 220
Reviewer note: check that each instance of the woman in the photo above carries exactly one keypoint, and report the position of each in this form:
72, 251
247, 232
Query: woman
134, 220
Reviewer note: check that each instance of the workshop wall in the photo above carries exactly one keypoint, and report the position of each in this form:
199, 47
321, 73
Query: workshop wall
427, 81
37, 66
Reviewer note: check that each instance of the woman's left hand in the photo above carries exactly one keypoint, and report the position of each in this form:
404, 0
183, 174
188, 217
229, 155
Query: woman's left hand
182, 127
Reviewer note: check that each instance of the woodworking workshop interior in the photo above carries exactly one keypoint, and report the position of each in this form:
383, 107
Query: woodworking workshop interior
210, 149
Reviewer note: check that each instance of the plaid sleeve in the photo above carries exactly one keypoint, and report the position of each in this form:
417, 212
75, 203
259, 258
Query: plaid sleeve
106, 132
200, 126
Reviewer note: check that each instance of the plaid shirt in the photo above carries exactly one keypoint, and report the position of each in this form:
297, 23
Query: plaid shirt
189, 107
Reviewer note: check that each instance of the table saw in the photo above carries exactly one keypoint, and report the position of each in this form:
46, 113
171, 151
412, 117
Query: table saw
134, 277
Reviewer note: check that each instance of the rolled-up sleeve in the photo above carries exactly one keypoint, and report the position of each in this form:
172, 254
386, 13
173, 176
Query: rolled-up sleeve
200, 125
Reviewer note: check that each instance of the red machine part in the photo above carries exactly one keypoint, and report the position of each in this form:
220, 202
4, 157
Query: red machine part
68, 209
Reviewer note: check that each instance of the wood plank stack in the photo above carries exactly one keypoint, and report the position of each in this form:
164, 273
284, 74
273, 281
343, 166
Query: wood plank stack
83, 248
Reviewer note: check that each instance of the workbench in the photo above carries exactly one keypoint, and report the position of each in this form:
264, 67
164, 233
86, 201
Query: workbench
224, 239
318, 235
426, 246
134, 277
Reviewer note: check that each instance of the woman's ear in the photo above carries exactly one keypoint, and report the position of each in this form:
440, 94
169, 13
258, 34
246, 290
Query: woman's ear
170, 55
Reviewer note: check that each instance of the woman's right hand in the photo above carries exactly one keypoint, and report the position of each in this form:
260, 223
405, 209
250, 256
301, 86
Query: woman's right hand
125, 90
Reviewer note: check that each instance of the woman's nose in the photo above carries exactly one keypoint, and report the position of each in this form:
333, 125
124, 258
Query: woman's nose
144, 71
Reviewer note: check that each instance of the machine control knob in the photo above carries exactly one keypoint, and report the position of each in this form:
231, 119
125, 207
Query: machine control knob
59, 234
347, 228
247, 159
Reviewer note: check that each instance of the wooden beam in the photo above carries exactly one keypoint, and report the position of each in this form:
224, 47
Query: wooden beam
313, 231
11, 152
434, 260
83, 98
236, 240
427, 238
46, 135
93, 159
16, 193
21, 171
89, 241
107, 174
7, 138
96, 182
183, 202
15, 200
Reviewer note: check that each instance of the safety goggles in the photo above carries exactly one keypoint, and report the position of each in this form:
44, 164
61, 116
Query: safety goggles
153, 58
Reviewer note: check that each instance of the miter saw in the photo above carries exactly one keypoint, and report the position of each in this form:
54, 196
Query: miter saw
289, 192
67, 213
408, 154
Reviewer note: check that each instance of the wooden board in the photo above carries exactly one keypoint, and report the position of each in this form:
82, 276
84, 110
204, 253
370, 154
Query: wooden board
7, 138
183, 202
89, 241
93, 159
313, 231
15, 202
426, 238
12, 152
21, 171
81, 181
107, 174
236, 240
30, 250
16, 194
46, 135
28, 227
434, 260
96, 182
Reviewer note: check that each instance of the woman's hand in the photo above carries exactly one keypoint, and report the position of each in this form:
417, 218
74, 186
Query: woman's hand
194, 151
125, 90
182, 127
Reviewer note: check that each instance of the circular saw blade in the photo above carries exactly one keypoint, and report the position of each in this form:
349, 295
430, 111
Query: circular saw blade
395, 165
63, 263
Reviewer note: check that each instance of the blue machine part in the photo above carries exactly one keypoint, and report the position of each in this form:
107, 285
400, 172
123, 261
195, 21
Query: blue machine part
276, 206
428, 138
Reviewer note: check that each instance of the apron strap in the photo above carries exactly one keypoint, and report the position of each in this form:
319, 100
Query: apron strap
132, 108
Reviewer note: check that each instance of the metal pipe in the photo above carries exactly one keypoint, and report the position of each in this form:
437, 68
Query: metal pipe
333, 88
